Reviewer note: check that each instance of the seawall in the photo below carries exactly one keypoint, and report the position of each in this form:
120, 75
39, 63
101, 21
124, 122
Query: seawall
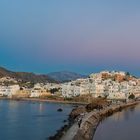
91, 121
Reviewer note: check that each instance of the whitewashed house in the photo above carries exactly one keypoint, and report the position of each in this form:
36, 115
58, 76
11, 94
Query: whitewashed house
70, 90
9, 90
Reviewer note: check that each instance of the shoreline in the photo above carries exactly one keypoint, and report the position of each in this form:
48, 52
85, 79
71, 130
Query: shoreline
43, 100
91, 121
64, 128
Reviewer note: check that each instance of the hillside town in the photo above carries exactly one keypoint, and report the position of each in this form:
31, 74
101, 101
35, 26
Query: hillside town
110, 85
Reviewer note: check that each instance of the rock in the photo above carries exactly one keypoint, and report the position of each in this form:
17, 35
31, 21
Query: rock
77, 111
65, 121
93, 106
60, 110
97, 104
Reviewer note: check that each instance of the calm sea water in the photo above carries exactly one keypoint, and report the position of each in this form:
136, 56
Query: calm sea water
123, 125
24, 120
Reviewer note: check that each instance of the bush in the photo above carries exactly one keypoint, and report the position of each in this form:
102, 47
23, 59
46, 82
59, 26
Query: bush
132, 96
98, 103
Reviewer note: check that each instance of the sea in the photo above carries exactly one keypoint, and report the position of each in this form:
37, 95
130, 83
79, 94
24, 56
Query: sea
30, 120
124, 125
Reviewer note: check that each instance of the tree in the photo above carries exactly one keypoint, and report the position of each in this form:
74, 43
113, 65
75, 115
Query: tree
132, 96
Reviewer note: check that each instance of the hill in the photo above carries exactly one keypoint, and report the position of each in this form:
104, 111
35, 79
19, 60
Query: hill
25, 76
65, 76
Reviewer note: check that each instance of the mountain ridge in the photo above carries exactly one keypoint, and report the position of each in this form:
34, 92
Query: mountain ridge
25, 76
65, 76
54, 77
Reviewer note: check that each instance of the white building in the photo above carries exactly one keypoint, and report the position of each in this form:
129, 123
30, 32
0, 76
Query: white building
69, 90
35, 93
9, 90
117, 95
103, 85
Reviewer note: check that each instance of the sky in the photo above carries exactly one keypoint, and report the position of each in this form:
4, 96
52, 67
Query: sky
82, 36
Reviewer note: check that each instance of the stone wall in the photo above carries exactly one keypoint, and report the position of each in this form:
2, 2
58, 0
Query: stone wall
91, 122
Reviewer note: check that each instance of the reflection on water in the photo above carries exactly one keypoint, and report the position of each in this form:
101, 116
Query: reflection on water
120, 126
20, 120
123, 115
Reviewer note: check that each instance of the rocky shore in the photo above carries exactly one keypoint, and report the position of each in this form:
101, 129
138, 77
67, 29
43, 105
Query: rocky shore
70, 122
91, 121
